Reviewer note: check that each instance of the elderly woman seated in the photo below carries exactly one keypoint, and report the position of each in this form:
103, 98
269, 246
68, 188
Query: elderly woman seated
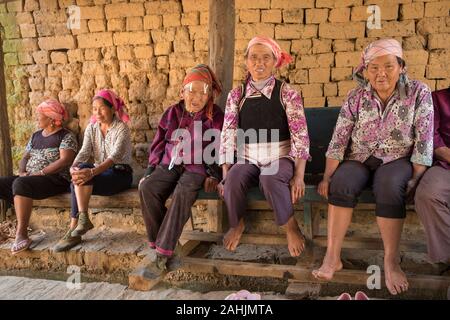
383, 138
103, 165
178, 162
43, 170
265, 133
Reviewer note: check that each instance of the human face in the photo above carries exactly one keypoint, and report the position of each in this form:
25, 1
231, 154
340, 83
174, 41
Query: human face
260, 62
196, 94
383, 73
102, 112
43, 121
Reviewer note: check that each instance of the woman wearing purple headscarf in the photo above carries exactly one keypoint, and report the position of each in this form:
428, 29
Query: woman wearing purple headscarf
107, 142
383, 138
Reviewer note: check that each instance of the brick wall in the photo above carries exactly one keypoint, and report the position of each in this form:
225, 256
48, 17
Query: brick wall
143, 48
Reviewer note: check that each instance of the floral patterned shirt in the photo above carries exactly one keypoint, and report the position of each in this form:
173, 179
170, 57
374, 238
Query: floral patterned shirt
45, 150
293, 104
403, 129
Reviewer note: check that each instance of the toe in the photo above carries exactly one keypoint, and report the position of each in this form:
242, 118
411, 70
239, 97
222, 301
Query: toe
398, 288
291, 252
392, 290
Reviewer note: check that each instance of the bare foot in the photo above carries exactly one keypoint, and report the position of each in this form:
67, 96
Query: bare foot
20, 237
295, 239
395, 278
328, 268
233, 236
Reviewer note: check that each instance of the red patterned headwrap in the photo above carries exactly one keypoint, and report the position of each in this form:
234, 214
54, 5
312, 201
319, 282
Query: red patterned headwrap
202, 72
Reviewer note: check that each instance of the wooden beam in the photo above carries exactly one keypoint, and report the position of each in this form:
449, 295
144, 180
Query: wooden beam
188, 247
5, 140
300, 273
321, 241
215, 215
221, 44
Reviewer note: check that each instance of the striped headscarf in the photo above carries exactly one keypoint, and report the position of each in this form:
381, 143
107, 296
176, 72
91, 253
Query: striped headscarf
117, 103
281, 56
374, 50
202, 72
54, 110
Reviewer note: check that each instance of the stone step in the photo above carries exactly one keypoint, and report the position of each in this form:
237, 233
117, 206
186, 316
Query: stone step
111, 255
20, 288
106, 253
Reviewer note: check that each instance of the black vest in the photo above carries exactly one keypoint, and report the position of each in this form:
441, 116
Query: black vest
259, 112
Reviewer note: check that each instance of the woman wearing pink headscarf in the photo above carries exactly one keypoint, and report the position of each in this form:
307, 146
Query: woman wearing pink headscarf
270, 113
43, 170
383, 138
102, 166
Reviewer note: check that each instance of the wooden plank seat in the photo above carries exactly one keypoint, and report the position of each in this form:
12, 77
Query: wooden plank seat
321, 122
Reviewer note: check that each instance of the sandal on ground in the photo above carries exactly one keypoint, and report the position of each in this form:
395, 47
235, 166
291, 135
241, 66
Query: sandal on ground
21, 245
345, 296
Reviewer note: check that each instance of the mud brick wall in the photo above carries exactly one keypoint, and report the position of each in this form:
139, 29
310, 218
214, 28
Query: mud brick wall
142, 50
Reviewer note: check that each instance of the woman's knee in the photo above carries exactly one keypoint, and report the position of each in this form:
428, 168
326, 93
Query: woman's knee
236, 179
425, 192
21, 187
390, 186
147, 186
269, 182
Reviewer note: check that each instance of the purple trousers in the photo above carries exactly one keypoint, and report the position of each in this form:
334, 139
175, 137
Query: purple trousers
275, 187
164, 226
432, 203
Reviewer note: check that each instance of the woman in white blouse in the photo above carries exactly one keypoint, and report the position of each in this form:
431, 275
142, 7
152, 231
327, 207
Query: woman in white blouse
103, 165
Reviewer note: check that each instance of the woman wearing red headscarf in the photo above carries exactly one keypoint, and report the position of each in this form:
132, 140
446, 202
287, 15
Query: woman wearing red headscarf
268, 112
107, 143
43, 170
178, 162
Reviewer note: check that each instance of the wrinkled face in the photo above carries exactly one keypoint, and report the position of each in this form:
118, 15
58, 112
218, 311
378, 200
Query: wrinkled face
383, 73
196, 94
260, 62
43, 121
101, 111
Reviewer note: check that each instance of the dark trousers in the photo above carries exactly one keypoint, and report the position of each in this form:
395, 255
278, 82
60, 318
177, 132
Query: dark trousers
107, 183
275, 187
164, 226
388, 182
34, 187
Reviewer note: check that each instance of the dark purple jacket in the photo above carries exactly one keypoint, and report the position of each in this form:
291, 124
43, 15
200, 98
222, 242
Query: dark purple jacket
441, 102
176, 117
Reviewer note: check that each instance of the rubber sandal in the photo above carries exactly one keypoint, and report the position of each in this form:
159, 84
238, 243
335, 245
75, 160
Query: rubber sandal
345, 296
361, 296
20, 246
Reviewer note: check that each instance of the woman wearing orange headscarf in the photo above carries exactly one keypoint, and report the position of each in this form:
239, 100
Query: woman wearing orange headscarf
177, 163
43, 170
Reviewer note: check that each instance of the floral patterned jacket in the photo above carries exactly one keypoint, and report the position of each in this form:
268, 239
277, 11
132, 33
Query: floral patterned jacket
403, 129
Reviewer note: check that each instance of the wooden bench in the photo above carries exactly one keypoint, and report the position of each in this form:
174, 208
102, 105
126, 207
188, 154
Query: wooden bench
321, 122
